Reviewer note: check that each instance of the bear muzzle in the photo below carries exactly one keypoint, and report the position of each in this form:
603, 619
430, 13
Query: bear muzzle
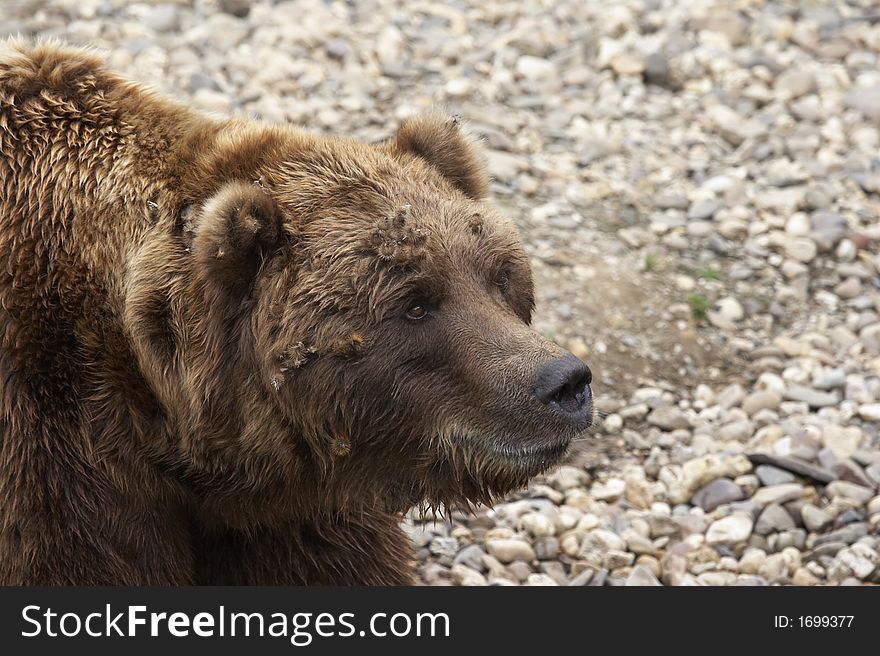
563, 386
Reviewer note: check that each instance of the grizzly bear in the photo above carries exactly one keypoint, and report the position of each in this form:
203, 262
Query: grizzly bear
237, 353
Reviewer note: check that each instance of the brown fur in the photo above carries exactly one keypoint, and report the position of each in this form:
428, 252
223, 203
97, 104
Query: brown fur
206, 370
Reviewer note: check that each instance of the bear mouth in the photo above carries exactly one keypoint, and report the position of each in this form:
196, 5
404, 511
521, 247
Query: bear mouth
534, 457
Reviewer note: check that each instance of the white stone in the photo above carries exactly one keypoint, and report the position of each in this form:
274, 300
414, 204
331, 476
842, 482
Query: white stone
870, 411
535, 68
610, 490
509, 550
464, 575
732, 529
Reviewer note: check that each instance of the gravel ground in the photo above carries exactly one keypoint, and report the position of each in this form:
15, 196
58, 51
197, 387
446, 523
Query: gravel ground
698, 185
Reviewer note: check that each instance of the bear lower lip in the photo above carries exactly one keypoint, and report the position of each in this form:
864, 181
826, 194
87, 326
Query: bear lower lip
536, 453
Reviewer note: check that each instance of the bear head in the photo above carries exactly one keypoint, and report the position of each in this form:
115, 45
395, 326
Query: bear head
384, 306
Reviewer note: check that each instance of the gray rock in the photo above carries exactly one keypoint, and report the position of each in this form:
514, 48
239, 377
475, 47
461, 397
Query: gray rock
793, 537
829, 379
823, 550
773, 519
668, 418
555, 571
847, 470
505, 166
703, 210
866, 101
471, 556
567, 477
199, 80
519, 570
735, 431
717, 493
546, 548
794, 83
670, 201
829, 224
583, 578
873, 472
861, 559
771, 475
778, 494
161, 18
814, 398
856, 493
337, 48
733, 127
663, 526
658, 72
237, 8
441, 546
848, 534
641, 576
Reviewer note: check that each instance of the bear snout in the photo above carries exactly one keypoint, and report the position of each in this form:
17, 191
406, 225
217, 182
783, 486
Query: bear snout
563, 386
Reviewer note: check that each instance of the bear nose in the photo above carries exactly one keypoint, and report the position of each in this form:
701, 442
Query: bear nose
564, 386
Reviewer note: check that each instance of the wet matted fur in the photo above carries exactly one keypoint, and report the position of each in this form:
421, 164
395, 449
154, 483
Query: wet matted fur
234, 352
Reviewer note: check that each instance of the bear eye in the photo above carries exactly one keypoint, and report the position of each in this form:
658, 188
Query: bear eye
417, 311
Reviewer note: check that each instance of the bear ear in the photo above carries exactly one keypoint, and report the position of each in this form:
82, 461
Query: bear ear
439, 140
236, 229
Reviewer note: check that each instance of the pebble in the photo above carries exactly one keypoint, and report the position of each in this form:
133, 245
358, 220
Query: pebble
509, 550
815, 519
703, 210
856, 493
859, 558
773, 568
829, 379
732, 529
801, 249
668, 418
161, 18
610, 490
814, 398
773, 519
870, 411
641, 576
535, 68
471, 556
718, 492
761, 400
770, 475
463, 575
781, 493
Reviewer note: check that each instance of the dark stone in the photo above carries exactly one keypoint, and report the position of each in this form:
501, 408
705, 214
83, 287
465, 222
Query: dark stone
773, 519
717, 493
848, 534
471, 556
238, 8
658, 72
794, 465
